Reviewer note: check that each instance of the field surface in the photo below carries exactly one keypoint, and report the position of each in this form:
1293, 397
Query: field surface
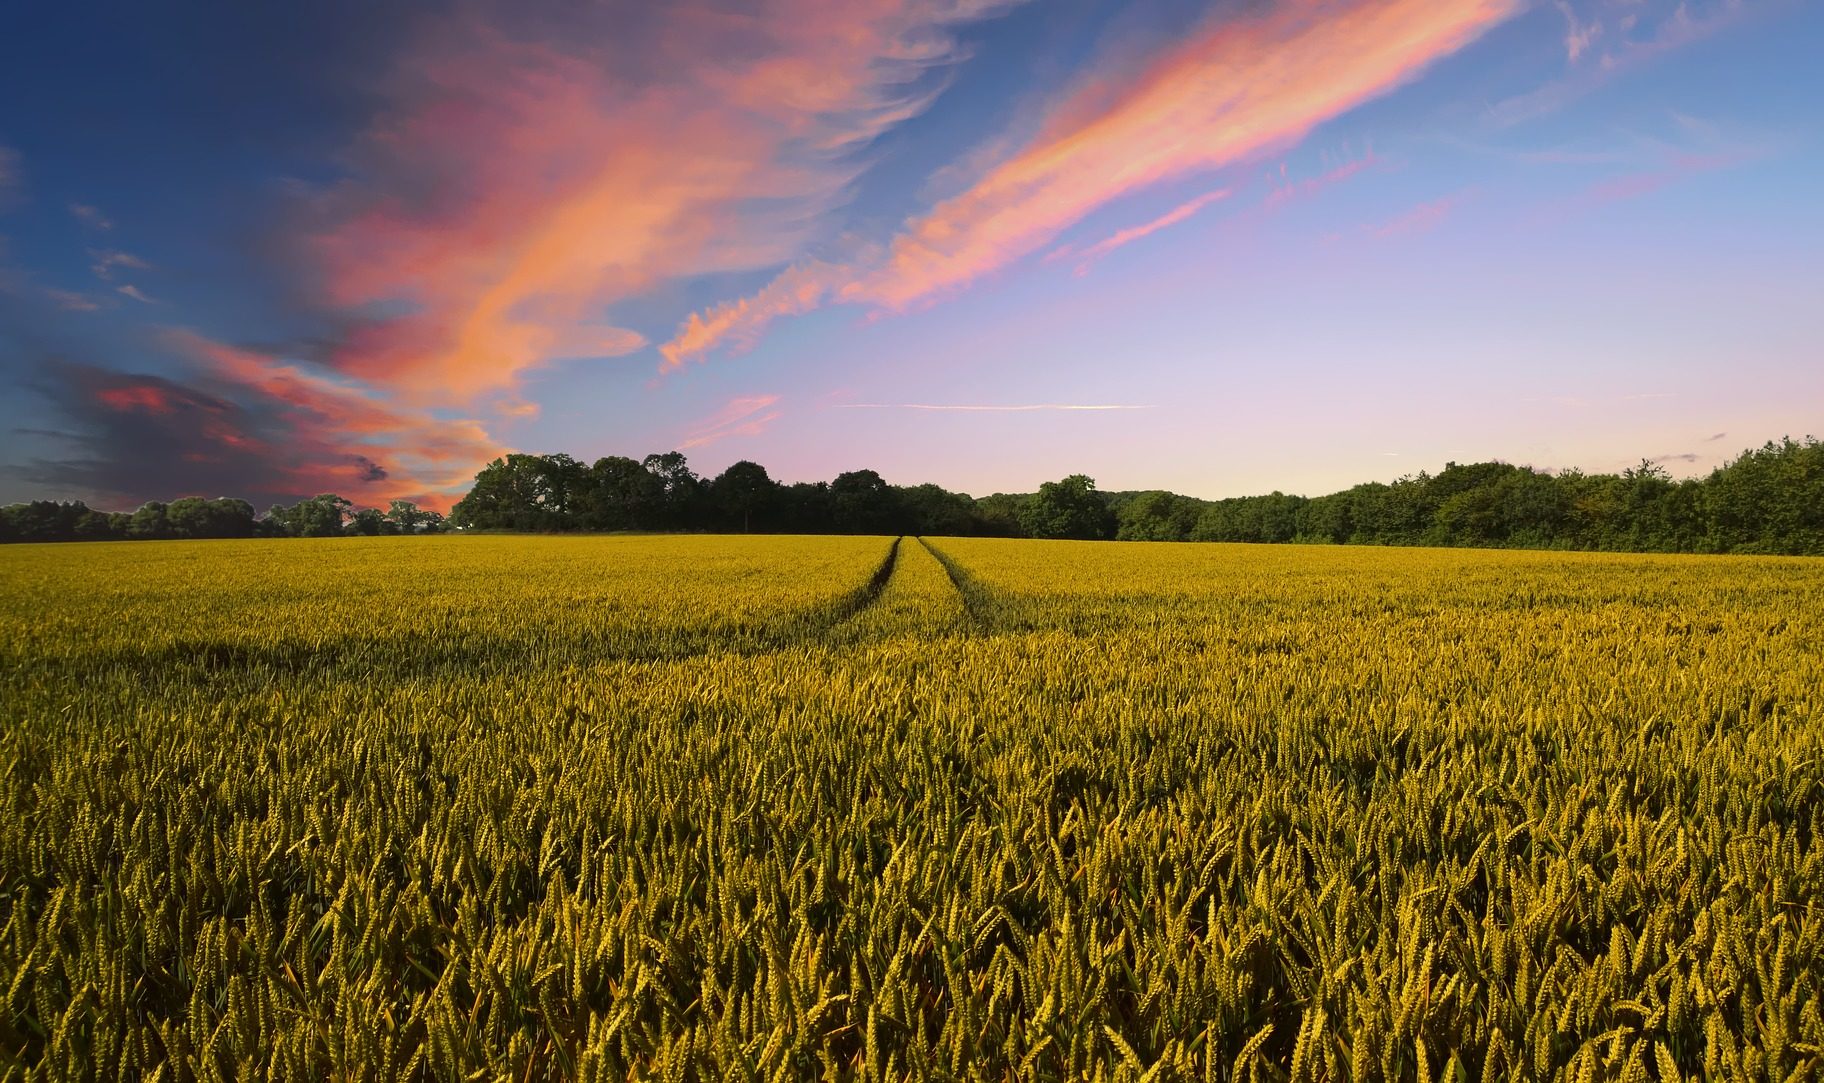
865, 808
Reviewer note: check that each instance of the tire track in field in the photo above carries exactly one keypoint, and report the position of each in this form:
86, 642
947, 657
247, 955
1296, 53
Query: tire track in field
858, 602
978, 603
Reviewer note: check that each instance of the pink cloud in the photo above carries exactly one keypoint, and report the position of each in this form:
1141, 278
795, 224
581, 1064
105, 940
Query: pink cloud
1423, 217
797, 290
745, 416
127, 395
340, 431
1239, 88
1288, 190
1094, 252
516, 190
1578, 35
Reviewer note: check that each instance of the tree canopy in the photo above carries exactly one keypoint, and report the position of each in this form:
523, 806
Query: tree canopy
1768, 500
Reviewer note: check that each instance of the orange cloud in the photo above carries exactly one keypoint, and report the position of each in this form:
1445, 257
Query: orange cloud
342, 433
797, 290
746, 416
1240, 88
517, 190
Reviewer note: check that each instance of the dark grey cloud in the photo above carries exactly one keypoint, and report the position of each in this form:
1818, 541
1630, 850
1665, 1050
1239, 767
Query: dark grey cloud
133, 437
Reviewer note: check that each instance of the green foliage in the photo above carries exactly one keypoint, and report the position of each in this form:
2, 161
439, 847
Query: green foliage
744, 808
1071, 508
1769, 500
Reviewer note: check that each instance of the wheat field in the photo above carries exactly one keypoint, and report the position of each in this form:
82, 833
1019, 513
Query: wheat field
706, 808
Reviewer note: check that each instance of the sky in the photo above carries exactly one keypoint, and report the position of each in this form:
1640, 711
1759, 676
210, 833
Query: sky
1221, 248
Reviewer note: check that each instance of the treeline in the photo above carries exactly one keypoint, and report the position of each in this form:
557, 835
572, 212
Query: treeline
325, 516
1769, 500
549, 493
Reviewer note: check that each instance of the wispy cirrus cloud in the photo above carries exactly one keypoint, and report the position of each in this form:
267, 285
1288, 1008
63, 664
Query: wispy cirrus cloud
1286, 189
1614, 38
106, 261
739, 323
135, 293
91, 216
1418, 219
1578, 34
1240, 87
1086, 257
71, 301
744, 416
521, 184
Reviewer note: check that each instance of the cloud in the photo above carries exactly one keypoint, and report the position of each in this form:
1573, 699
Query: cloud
108, 261
1285, 191
1680, 457
521, 183
990, 408
1094, 252
69, 301
797, 290
1238, 88
246, 423
1578, 35
1644, 182
1637, 33
1714, 438
746, 416
90, 216
1417, 220
134, 293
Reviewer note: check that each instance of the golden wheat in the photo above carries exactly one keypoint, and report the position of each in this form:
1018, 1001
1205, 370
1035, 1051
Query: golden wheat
791, 808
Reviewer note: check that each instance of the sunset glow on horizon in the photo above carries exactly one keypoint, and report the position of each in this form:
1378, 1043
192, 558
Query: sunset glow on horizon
1211, 247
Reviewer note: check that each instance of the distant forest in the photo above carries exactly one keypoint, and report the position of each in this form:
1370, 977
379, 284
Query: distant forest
1769, 500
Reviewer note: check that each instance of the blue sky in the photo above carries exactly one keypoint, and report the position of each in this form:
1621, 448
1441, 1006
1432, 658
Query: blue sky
1217, 248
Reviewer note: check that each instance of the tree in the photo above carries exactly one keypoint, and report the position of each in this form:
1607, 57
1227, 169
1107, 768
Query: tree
680, 490
509, 494
409, 518
1158, 516
368, 522
194, 517
861, 502
1070, 508
742, 491
323, 516
621, 494
805, 508
148, 522
562, 483
934, 511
